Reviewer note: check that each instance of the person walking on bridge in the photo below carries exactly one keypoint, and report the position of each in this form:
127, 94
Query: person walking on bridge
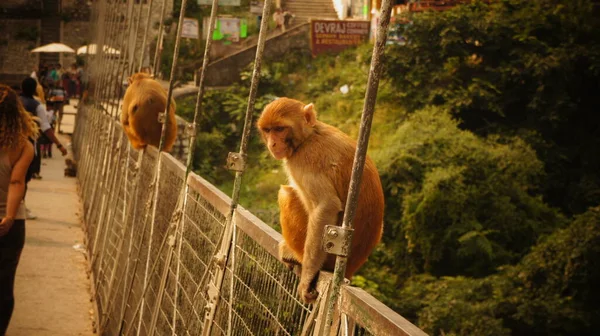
36, 109
16, 153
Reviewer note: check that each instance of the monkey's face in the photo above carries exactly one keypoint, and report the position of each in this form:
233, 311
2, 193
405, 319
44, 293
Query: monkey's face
278, 140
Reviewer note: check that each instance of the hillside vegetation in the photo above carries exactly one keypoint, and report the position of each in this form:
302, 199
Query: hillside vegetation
486, 137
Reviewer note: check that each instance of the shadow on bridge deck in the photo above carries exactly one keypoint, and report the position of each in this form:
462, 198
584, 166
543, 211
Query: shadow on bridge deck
52, 291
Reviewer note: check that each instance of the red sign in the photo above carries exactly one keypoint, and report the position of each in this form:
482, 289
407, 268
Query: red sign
334, 35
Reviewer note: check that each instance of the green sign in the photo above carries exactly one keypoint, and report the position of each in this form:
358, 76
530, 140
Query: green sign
221, 2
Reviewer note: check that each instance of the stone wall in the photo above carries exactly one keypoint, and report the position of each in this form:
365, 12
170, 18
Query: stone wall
74, 34
227, 71
20, 3
16, 59
118, 37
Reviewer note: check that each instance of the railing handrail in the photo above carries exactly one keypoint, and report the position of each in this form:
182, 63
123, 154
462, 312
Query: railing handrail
365, 309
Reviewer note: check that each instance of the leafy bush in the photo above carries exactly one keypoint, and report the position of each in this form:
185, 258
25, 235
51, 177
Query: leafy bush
461, 204
551, 292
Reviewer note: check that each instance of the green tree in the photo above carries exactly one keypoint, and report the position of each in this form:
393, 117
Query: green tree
458, 203
528, 68
552, 291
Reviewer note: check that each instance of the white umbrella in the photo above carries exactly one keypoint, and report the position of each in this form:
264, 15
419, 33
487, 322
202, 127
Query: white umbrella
54, 48
91, 50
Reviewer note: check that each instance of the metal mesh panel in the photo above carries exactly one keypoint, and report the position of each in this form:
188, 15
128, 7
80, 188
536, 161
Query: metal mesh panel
120, 234
201, 228
265, 300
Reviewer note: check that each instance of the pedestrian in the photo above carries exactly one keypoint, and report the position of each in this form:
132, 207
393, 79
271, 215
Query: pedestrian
83, 85
16, 153
56, 74
279, 19
28, 87
73, 82
288, 18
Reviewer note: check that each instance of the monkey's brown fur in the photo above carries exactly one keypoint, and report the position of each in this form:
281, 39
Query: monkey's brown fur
143, 101
318, 160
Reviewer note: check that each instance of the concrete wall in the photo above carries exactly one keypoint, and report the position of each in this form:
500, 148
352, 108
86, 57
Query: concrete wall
226, 71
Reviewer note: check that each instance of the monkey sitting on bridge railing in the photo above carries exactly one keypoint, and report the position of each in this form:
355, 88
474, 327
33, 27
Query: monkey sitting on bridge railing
144, 100
318, 160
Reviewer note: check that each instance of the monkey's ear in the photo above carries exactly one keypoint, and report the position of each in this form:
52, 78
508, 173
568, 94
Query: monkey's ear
310, 114
130, 80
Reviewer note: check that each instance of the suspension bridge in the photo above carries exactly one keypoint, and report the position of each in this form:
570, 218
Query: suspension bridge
169, 253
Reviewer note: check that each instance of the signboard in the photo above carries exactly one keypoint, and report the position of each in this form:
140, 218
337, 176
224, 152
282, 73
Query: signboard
256, 7
230, 29
227, 29
336, 35
221, 2
190, 28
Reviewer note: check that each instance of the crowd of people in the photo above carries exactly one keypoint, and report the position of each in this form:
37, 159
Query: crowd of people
71, 81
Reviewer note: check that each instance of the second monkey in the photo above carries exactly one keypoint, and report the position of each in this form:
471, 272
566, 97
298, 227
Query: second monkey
144, 100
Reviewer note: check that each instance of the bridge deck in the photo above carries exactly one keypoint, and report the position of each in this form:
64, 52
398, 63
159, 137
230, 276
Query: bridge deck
52, 291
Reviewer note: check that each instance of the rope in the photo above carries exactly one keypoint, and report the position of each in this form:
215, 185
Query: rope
360, 155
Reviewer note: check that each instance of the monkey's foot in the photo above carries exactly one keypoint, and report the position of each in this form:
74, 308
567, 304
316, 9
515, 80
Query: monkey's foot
308, 293
287, 256
290, 263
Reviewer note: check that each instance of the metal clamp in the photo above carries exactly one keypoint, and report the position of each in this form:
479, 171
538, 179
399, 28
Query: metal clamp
236, 162
171, 240
219, 260
190, 129
337, 239
162, 117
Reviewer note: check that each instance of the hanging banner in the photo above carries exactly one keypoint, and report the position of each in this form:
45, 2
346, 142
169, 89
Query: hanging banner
221, 2
337, 35
190, 28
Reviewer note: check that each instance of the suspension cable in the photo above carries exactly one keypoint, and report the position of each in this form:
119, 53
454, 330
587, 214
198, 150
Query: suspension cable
164, 119
360, 155
159, 40
227, 243
134, 42
192, 131
146, 30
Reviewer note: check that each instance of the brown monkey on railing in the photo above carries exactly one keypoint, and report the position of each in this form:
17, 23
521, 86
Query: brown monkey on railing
318, 160
143, 101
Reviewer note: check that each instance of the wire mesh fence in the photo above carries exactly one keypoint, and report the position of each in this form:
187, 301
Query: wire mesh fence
131, 256
159, 241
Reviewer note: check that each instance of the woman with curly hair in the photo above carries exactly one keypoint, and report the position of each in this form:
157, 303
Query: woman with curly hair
17, 126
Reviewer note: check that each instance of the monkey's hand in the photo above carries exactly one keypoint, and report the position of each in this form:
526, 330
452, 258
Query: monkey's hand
307, 291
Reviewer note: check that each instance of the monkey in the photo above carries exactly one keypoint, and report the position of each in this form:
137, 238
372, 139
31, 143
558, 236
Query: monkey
318, 161
144, 100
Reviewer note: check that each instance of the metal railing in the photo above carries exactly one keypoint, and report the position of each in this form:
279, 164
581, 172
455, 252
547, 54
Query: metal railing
117, 229
171, 254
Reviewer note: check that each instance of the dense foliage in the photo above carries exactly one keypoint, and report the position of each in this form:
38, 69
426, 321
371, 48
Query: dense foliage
530, 68
485, 137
